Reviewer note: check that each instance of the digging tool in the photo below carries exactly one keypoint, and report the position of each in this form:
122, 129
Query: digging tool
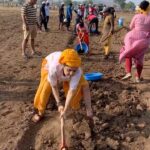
63, 141
81, 46
81, 50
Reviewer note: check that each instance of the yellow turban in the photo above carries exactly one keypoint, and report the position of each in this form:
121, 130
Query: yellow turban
70, 58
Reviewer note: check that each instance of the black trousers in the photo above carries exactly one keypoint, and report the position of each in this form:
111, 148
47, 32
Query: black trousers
43, 21
68, 23
47, 19
93, 21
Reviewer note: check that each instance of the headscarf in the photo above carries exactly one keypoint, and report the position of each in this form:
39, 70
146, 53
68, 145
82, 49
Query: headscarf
70, 58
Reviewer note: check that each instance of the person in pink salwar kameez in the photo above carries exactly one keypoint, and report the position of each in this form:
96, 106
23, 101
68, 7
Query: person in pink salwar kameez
136, 41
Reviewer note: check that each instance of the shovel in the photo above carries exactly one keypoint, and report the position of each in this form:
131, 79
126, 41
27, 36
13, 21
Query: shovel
81, 50
63, 141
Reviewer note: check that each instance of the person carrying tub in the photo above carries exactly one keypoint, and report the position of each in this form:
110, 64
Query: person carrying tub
62, 68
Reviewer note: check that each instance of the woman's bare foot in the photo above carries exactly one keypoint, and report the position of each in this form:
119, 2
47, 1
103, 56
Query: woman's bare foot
36, 118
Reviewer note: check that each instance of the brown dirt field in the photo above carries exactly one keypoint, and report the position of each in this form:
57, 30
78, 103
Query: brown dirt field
121, 109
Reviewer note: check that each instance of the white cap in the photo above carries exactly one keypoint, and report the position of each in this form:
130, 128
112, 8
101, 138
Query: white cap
43, 2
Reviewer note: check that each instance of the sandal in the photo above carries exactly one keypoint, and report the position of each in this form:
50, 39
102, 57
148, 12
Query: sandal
137, 80
127, 76
36, 118
36, 53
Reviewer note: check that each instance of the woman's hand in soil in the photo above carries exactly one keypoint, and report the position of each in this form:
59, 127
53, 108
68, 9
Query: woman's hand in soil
60, 108
62, 113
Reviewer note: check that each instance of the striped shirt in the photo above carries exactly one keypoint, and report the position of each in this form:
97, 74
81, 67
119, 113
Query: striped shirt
29, 11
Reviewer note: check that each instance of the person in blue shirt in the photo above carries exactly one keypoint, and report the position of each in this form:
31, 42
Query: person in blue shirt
69, 15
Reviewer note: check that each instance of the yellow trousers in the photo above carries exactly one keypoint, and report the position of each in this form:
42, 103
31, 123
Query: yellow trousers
44, 90
108, 45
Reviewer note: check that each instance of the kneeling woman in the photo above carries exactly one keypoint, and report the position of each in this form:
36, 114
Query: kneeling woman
62, 67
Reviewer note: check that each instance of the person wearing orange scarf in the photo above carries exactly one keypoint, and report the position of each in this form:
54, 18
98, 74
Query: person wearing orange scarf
62, 67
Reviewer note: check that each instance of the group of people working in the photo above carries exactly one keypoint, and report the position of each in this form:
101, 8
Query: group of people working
85, 20
82, 13
64, 67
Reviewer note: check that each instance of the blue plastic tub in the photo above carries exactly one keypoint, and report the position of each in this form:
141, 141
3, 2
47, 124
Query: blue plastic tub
93, 76
84, 49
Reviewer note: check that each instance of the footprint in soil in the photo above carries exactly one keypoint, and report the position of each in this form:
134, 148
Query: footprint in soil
9, 67
32, 66
16, 71
2, 104
23, 67
5, 113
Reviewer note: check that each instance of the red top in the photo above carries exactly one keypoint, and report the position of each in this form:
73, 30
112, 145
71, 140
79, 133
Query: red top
91, 17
